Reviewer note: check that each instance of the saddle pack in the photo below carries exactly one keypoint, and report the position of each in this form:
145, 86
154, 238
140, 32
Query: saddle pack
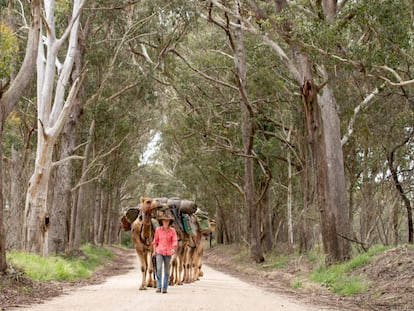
188, 217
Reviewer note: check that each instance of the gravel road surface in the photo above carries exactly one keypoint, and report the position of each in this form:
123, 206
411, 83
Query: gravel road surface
215, 291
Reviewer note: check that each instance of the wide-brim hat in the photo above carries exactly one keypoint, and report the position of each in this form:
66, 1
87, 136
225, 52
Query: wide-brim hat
167, 216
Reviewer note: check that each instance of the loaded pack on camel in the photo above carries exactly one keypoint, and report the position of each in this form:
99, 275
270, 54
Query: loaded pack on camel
191, 223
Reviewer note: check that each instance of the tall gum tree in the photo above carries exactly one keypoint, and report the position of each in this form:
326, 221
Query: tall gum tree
53, 105
321, 114
247, 128
10, 93
61, 202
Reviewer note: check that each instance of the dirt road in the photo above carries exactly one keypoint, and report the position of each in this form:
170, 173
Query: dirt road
215, 291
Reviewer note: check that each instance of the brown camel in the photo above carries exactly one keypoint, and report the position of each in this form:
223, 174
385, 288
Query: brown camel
178, 259
193, 255
142, 234
187, 260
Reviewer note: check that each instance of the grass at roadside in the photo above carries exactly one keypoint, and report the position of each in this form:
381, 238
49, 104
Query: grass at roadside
59, 267
340, 279
310, 268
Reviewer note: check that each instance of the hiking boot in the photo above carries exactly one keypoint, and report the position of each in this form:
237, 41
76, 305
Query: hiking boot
158, 290
164, 291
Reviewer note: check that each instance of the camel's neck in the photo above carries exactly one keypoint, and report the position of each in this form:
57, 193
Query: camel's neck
146, 225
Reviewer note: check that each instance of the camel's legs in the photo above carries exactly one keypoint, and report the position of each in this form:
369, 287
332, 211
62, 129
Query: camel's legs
151, 279
144, 268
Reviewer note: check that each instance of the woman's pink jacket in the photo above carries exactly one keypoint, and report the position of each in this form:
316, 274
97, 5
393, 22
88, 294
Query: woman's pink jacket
165, 241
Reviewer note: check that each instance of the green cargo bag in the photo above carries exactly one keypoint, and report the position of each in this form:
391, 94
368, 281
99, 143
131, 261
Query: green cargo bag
203, 221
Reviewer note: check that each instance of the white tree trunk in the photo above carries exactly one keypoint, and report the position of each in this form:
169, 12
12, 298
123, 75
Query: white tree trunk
53, 106
36, 218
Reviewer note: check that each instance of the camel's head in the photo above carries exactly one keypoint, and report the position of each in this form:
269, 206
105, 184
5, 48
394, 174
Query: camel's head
146, 204
212, 223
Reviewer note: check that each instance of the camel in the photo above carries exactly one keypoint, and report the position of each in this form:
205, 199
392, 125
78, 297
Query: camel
142, 234
193, 255
178, 259
186, 262
195, 248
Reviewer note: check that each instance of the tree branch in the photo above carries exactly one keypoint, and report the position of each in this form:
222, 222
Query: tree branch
202, 73
238, 187
365, 103
9, 98
96, 159
67, 159
246, 25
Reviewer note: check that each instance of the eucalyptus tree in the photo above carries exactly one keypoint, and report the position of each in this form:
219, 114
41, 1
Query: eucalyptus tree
53, 105
13, 82
61, 202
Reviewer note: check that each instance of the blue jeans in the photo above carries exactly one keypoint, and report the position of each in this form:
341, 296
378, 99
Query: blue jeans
162, 279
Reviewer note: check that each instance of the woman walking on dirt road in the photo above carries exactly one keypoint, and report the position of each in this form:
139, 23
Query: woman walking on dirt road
165, 242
